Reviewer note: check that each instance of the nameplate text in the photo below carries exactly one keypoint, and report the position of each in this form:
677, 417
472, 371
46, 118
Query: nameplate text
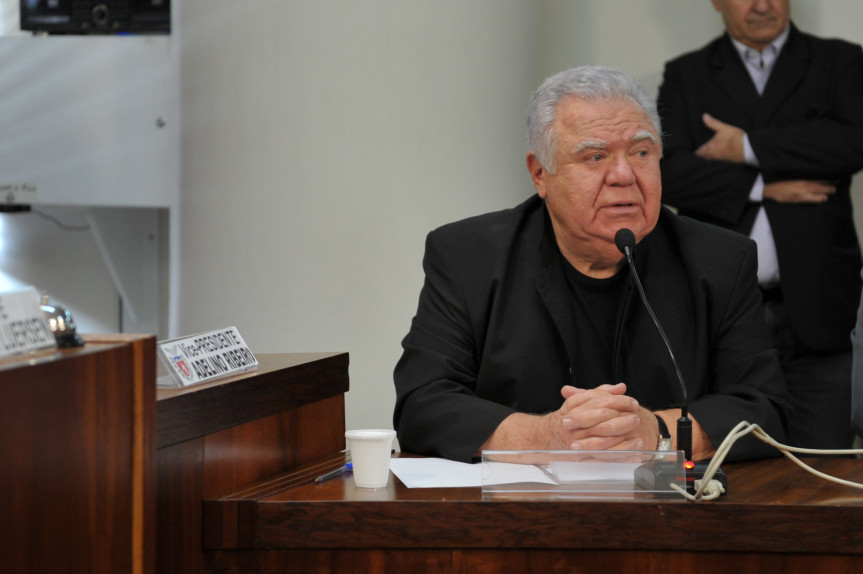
204, 357
24, 327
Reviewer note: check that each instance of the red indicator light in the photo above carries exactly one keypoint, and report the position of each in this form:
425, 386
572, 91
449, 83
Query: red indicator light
688, 465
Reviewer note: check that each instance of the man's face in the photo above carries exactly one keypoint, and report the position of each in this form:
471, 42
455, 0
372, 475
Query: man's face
754, 23
607, 178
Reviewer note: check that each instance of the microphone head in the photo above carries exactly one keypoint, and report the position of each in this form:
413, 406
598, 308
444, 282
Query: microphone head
624, 238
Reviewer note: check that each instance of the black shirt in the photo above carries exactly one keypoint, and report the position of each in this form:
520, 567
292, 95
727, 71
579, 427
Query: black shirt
595, 305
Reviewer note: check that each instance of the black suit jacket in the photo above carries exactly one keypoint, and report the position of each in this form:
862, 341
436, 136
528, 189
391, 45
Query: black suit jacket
493, 332
807, 125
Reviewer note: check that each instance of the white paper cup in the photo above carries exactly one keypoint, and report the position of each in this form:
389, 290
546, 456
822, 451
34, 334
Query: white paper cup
370, 454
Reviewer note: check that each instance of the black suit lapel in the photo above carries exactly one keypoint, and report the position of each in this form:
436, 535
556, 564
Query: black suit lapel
730, 76
789, 71
551, 285
553, 290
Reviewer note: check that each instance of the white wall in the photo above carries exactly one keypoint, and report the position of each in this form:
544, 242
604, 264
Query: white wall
80, 156
321, 141
54, 250
59, 255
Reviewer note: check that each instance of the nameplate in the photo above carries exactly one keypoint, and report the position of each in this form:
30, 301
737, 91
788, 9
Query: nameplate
204, 358
24, 327
18, 193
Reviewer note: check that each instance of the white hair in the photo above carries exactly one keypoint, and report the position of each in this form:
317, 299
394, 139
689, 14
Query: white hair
590, 83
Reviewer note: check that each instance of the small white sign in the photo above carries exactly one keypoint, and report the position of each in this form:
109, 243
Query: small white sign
24, 327
18, 193
205, 357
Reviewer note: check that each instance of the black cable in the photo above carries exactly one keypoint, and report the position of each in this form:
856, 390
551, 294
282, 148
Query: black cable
59, 223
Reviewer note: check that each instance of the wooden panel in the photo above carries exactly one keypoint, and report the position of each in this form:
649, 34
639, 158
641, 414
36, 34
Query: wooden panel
144, 455
600, 562
282, 382
178, 501
503, 561
772, 506
341, 562
245, 442
225, 461
263, 448
77, 460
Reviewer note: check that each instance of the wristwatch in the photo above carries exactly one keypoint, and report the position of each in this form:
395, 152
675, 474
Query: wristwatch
664, 442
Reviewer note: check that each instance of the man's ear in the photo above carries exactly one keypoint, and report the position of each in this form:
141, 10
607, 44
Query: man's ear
537, 173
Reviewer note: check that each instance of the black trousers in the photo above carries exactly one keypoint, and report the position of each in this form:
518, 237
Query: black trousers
819, 384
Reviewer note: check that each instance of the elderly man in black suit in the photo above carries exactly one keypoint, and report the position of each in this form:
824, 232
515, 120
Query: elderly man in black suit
529, 333
763, 131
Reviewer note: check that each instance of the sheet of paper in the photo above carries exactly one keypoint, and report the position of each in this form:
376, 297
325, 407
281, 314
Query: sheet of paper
568, 472
443, 473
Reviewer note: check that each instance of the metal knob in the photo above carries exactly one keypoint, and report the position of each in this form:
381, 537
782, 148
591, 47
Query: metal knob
62, 324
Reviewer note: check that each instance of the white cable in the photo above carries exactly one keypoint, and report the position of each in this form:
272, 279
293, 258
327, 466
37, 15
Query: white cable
709, 489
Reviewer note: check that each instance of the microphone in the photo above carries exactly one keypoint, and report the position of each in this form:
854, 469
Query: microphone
625, 241
657, 475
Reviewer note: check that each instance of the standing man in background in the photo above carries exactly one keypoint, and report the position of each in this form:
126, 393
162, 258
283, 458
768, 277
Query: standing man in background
763, 131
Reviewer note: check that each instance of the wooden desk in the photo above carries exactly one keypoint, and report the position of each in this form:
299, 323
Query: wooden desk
234, 467
76, 458
100, 473
215, 437
775, 518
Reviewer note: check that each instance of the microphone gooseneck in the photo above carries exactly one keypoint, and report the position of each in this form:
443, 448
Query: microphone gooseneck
625, 241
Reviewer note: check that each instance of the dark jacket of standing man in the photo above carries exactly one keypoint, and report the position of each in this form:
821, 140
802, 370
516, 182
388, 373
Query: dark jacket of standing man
775, 161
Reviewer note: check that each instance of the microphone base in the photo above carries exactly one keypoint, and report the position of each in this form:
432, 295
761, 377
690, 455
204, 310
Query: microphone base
658, 476
697, 473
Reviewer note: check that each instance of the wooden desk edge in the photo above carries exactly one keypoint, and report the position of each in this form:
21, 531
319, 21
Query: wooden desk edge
308, 516
282, 381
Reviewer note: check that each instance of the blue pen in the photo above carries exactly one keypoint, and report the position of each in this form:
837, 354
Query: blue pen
348, 466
